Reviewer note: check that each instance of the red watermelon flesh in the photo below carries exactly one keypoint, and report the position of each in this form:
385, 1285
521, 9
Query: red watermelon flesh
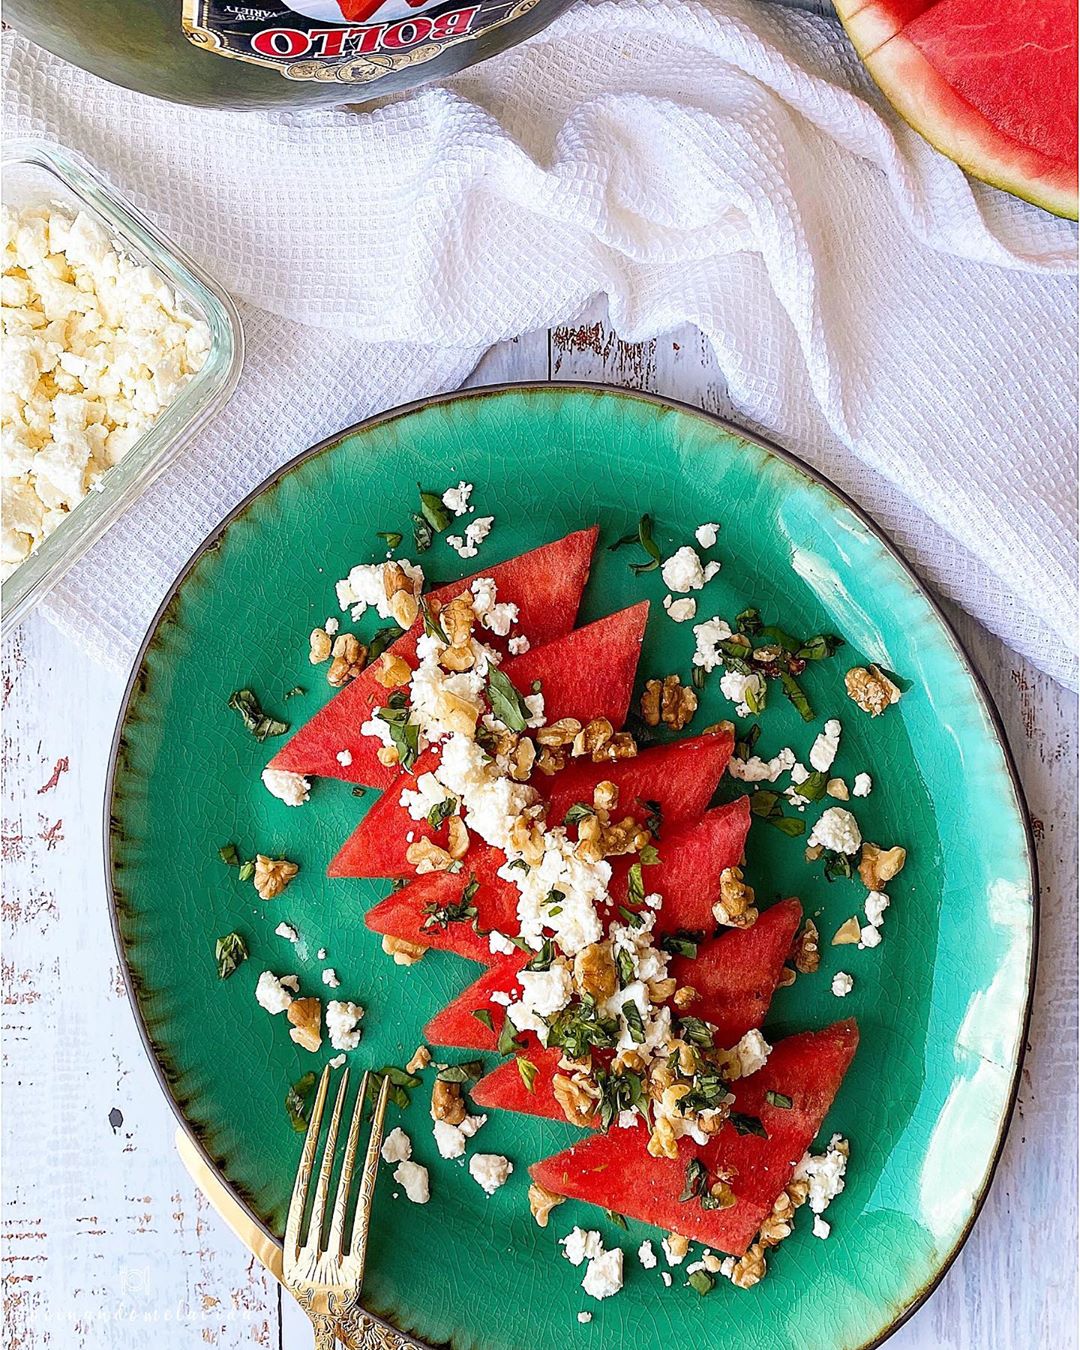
615, 1171
505, 1090
546, 585
735, 976
692, 856
680, 778
990, 83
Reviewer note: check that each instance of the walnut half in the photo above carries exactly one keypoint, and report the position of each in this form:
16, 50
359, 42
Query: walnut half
305, 1014
272, 875
542, 1202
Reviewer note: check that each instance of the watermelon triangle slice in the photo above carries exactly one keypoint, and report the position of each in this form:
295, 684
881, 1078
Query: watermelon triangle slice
680, 778
615, 1171
692, 856
735, 976
546, 585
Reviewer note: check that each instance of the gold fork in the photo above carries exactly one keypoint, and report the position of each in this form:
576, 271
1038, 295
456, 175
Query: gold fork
326, 1280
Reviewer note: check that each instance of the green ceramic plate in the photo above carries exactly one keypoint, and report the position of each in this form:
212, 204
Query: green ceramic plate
942, 1003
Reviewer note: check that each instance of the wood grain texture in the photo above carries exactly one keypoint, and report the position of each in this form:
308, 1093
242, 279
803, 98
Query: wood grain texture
104, 1241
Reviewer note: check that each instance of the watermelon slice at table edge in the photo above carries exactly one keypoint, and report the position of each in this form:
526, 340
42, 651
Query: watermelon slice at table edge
615, 1171
990, 83
546, 584
679, 777
692, 856
734, 974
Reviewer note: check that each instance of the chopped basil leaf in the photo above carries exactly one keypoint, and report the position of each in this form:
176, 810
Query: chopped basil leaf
624, 965
399, 883
382, 639
359, 792
702, 1281
812, 788
247, 871
260, 724
793, 690
554, 897
789, 825
229, 855
620, 1092
697, 1032
423, 534
229, 952
682, 943
527, 1069
508, 1042
748, 622
643, 535
836, 865
767, 805
458, 911
634, 1023
543, 958
432, 625
399, 1081
649, 855
781, 638
818, 648
519, 864
292, 693
298, 1102
743, 1124
506, 703
468, 1072
697, 1179
778, 1099
653, 818
579, 1027
631, 919
484, 1018
635, 886
697, 677
578, 812
404, 734
441, 812
392, 537
434, 512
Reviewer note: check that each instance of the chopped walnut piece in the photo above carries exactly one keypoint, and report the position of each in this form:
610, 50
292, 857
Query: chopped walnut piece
735, 908
349, 655
594, 970
420, 1060
878, 865
457, 844
592, 737
798, 1191
398, 588
668, 701
625, 837
684, 997
447, 1103
779, 1223
392, 671
787, 978
628, 1061
650, 702
457, 619
620, 746
561, 732
404, 953
749, 1269
550, 760
662, 1141
320, 646
272, 875
719, 729
527, 838
661, 990
577, 1096
305, 1014
871, 689
806, 949
388, 755
725, 1198
590, 844
522, 758
605, 796
848, 933
677, 1245
542, 1202
457, 659
838, 789
426, 856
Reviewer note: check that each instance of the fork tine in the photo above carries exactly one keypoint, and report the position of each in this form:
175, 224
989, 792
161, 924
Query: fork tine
336, 1241
362, 1219
322, 1188
303, 1173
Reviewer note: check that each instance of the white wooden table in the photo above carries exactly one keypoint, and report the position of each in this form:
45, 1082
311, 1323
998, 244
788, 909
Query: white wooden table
106, 1243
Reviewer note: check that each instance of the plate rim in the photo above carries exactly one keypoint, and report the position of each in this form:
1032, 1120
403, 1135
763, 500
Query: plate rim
982, 693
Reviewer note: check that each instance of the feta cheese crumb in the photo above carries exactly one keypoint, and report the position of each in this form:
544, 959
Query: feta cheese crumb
450, 1139
499, 944
490, 1170
287, 931
680, 610
336, 1062
584, 1317
683, 571
331, 626
518, 645
343, 1025
842, 984
581, 1245
748, 691
271, 992
330, 977
821, 1229
823, 751
837, 830
604, 1274
456, 499
708, 636
666, 1278
875, 905
291, 788
756, 770
706, 534
344, 758
475, 533
753, 1051
414, 1181
862, 786
646, 1255
397, 1146
825, 1173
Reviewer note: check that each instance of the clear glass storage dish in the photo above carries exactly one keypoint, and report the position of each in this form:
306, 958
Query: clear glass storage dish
38, 173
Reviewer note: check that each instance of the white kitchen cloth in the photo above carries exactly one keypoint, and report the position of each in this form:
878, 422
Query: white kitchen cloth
728, 164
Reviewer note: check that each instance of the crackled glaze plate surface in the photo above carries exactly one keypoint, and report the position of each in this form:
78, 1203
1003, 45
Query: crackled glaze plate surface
942, 1003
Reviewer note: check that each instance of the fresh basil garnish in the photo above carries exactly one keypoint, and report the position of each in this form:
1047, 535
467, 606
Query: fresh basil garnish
392, 537
634, 1023
527, 1069
434, 512
778, 1099
442, 811
484, 1018
458, 911
743, 1124
260, 724
229, 952
506, 703
298, 1102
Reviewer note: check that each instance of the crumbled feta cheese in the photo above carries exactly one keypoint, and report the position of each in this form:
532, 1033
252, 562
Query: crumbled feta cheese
475, 533
331, 626
344, 758
329, 977
862, 786
706, 534
748, 691
821, 1229
680, 610
673, 1258
414, 1181
456, 499
320, 955
708, 637
287, 931
291, 788
271, 992
336, 1062
604, 1274
397, 1146
825, 1173
666, 1278
584, 1317
499, 944
544, 992
875, 905
869, 937
753, 1051
342, 1024
837, 830
518, 645
842, 984
646, 1255
823, 751
450, 1139
757, 770
497, 618
365, 587
490, 1170
683, 572
581, 1245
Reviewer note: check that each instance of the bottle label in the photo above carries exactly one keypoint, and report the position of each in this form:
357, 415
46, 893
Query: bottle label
351, 41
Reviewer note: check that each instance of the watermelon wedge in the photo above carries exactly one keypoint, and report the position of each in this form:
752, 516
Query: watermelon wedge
680, 778
505, 1090
546, 585
692, 856
615, 1171
990, 83
735, 975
